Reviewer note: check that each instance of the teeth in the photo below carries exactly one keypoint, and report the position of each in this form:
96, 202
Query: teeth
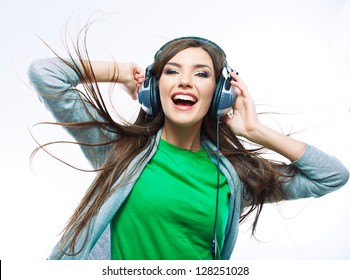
184, 97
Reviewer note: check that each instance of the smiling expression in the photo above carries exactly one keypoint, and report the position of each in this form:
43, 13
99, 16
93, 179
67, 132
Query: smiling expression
186, 87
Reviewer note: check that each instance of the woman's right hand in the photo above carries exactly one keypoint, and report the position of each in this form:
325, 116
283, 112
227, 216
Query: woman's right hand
130, 76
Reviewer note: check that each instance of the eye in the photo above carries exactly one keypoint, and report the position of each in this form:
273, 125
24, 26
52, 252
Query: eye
202, 75
170, 72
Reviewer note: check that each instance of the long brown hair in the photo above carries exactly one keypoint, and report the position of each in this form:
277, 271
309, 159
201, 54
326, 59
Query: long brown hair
261, 179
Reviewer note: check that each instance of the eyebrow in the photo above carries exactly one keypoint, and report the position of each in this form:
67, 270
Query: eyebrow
196, 66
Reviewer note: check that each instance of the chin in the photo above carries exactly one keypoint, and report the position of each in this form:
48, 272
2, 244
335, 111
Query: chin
184, 121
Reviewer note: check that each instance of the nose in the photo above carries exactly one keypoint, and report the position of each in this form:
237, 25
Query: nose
185, 81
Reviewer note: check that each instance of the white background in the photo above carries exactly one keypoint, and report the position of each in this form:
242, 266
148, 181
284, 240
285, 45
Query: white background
292, 54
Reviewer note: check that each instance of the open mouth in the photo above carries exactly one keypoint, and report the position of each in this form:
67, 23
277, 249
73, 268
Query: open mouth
184, 100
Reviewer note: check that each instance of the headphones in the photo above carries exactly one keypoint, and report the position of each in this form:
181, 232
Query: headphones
223, 98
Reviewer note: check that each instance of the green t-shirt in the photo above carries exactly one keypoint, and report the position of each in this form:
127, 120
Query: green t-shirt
170, 212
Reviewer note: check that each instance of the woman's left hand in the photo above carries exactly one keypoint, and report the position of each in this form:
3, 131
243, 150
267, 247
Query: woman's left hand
244, 119
244, 122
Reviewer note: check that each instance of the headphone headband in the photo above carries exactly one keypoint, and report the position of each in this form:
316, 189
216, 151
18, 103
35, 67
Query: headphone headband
199, 39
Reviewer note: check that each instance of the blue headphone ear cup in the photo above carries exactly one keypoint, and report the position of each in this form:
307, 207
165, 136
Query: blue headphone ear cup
148, 95
223, 99
213, 109
144, 96
155, 97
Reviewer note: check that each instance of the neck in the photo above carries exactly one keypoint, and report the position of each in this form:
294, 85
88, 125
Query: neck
183, 137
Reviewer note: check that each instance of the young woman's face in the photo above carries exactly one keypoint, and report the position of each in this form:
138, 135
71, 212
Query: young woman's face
186, 87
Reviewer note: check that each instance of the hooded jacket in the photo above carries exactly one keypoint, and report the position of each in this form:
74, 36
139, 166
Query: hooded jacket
317, 173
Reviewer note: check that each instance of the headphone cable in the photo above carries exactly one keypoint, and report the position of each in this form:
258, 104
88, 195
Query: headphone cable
214, 239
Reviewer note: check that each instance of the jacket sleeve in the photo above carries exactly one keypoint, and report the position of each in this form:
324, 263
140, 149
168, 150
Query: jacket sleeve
56, 83
317, 174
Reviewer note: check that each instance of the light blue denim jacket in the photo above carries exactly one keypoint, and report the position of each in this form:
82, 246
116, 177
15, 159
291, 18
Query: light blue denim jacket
318, 173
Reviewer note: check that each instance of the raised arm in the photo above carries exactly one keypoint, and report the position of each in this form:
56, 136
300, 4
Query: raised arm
317, 174
245, 122
56, 80
128, 74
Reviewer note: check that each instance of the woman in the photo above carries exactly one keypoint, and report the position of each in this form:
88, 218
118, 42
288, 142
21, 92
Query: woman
169, 186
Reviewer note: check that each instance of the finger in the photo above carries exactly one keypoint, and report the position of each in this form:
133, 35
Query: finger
234, 75
139, 78
237, 89
235, 81
139, 71
240, 87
